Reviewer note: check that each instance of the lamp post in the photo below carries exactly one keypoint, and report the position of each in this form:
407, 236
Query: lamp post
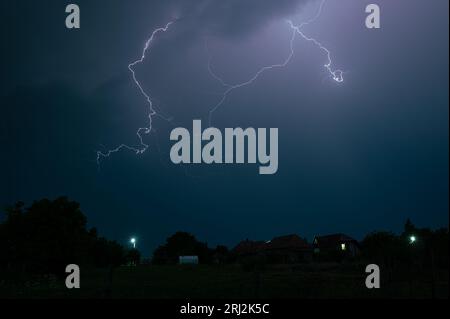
412, 240
133, 242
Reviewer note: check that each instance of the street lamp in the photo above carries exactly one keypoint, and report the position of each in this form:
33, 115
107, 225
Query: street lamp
133, 242
412, 239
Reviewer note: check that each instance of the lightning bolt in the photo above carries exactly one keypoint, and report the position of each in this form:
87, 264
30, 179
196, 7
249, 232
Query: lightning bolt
336, 75
231, 88
142, 148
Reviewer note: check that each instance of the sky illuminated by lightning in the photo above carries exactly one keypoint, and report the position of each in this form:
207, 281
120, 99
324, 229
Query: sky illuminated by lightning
336, 75
355, 156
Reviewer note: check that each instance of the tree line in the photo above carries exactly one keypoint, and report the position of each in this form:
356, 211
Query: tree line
50, 234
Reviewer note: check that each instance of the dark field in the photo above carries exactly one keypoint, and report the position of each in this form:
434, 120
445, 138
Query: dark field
164, 282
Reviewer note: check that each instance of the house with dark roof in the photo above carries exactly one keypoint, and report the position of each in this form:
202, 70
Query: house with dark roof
248, 248
288, 249
283, 249
336, 246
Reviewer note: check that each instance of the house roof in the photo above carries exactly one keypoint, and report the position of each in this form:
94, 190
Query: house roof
287, 242
293, 242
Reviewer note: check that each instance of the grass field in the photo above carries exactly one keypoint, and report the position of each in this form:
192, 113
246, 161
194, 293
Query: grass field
163, 282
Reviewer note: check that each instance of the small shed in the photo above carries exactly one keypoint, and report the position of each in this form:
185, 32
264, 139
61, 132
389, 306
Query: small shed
188, 260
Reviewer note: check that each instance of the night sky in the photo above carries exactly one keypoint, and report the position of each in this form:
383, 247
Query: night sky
354, 157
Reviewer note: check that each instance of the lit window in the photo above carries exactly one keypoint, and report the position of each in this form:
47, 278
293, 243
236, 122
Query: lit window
343, 247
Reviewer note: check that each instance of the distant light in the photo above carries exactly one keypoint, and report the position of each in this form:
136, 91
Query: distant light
133, 242
343, 247
412, 239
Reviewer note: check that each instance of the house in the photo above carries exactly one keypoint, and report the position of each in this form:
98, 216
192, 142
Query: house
288, 249
336, 245
283, 249
248, 248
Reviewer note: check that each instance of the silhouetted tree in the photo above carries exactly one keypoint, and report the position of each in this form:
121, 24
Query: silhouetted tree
430, 248
221, 255
409, 228
440, 246
415, 252
133, 257
181, 244
49, 235
383, 248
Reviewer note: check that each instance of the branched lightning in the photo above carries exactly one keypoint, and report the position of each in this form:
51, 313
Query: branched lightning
143, 130
336, 75
231, 88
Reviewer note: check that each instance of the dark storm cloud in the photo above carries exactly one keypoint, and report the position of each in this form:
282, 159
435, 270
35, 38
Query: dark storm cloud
233, 17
